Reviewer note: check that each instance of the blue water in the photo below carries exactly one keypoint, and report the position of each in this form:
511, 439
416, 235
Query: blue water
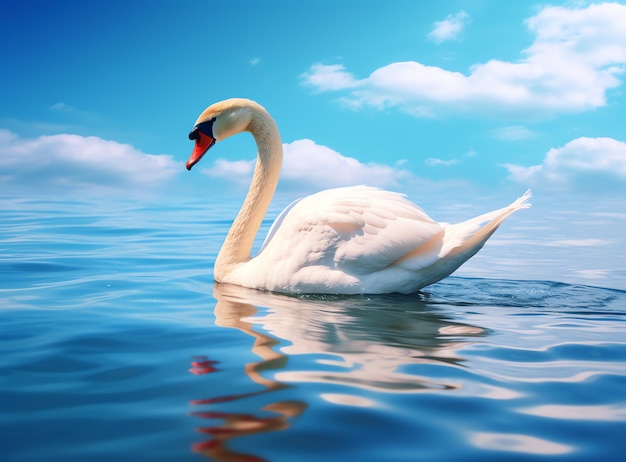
116, 345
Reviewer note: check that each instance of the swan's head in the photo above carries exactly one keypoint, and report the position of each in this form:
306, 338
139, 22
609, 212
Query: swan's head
218, 122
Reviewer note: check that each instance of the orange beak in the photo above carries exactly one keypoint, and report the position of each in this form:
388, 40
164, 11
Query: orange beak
203, 143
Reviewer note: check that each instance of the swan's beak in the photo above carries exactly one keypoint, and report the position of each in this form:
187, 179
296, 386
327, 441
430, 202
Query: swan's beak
203, 143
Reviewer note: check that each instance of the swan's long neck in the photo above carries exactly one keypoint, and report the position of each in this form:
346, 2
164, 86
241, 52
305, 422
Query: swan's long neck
238, 244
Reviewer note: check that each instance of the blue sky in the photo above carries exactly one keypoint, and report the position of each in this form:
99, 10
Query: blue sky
434, 99
487, 93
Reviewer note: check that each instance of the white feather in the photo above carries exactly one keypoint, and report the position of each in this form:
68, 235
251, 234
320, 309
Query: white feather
363, 240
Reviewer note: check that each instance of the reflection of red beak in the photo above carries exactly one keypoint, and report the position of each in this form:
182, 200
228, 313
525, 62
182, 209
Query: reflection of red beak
203, 143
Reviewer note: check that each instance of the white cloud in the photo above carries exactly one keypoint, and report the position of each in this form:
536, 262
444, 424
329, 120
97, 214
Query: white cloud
63, 107
329, 77
582, 163
576, 57
450, 28
75, 163
72, 112
434, 162
236, 169
254, 61
306, 161
513, 133
307, 165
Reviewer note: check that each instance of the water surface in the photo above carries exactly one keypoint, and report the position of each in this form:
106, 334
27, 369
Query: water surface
116, 345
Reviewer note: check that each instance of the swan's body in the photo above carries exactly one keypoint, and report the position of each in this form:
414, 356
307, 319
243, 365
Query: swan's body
342, 241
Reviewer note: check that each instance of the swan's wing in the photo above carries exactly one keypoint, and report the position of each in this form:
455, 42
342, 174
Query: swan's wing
276, 225
358, 230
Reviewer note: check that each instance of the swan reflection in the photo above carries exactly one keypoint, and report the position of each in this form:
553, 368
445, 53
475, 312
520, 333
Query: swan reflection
233, 314
366, 341
356, 342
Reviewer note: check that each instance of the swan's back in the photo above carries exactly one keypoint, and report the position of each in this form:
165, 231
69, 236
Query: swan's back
338, 238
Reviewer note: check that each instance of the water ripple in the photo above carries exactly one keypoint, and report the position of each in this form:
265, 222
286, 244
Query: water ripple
114, 348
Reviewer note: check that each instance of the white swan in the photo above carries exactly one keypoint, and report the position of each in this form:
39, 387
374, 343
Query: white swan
342, 241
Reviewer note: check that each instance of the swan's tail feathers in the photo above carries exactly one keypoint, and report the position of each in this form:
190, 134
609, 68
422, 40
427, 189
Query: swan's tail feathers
522, 202
468, 237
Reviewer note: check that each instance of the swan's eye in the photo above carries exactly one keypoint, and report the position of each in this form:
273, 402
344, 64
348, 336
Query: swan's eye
194, 134
204, 127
